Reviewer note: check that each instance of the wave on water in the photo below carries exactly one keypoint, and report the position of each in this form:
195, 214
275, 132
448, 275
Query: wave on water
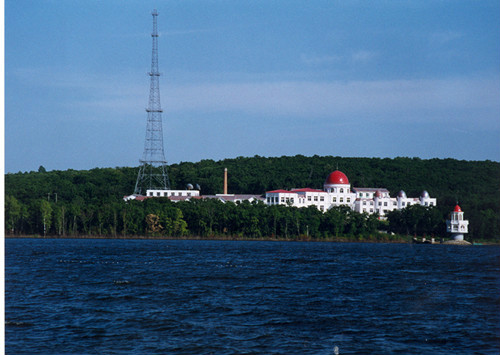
202, 297
121, 282
18, 324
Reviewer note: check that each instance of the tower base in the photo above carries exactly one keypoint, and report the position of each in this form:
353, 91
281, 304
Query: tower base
457, 236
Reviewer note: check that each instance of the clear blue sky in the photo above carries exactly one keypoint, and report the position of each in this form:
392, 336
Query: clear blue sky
243, 78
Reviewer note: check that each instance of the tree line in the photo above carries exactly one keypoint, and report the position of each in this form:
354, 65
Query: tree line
89, 202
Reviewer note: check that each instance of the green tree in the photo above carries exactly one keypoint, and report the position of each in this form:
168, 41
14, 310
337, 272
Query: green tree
13, 211
335, 220
46, 213
153, 223
59, 211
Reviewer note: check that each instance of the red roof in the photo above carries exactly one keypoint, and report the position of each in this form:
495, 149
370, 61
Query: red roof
336, 177
457, 209
306, 189
279, 192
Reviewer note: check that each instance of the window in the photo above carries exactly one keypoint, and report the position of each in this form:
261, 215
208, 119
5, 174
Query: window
334, 199
315, 198
403, 204
189, 193
291, 200
322, 208
348, 199
150, 194
322, 198
394, 203
308, 198
371, 210
431, 204
371, 203
157, 194
364, 203
385, 203
341, 191
341, 199
380, 203
347, 190
282, 199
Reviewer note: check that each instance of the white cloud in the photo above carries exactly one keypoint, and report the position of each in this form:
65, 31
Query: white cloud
185, 32
363, 56
448, 100
329, 99
313, 59
444, 37
360, 56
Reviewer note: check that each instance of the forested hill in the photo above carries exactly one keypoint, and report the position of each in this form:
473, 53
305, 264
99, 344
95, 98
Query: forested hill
474, 184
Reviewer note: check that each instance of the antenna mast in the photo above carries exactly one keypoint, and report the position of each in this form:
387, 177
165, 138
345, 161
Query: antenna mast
153, 166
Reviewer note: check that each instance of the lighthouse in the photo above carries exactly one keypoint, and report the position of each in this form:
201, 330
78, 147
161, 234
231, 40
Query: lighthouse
457, 225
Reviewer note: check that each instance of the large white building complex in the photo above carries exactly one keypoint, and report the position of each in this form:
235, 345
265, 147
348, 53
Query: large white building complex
337, 191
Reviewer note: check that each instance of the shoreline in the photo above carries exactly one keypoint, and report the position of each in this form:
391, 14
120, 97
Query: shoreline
214, 237
401, 240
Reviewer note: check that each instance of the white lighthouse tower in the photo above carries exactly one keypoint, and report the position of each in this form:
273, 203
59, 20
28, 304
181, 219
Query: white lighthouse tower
457, 225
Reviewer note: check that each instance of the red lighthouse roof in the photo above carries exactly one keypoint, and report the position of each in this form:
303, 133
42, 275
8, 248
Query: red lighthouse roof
457, 209
336, 177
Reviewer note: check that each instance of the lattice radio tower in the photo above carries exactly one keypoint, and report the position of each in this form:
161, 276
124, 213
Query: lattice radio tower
153, 166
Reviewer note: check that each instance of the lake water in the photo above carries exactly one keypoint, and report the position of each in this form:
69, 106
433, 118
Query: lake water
89, 296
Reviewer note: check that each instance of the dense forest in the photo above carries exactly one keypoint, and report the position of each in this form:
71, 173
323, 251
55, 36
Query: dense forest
90, 203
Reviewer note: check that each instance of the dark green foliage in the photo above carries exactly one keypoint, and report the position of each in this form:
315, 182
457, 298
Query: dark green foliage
417, 220
90, 202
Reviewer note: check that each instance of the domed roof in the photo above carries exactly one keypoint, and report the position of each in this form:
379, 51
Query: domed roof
402, 194
336, 177
378, 194
424, 194
457, 209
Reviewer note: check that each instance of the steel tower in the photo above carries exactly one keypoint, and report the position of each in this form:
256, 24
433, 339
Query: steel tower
153, 166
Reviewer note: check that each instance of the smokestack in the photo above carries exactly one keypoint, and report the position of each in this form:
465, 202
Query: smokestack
225, 181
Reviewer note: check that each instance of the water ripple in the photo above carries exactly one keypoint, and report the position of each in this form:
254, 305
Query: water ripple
208, 297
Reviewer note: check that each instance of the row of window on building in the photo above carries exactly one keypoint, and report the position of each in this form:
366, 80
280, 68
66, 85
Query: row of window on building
172, 193
274, 200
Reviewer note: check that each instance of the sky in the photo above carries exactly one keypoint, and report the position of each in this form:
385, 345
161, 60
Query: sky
244, 78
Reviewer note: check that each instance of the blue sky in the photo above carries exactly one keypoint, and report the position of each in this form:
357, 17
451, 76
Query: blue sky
243, 78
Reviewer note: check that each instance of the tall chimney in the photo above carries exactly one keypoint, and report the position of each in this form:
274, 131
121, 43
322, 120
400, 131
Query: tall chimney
225, 181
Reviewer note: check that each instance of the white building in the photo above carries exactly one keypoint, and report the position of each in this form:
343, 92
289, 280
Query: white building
337, 191
457, 225
171, 194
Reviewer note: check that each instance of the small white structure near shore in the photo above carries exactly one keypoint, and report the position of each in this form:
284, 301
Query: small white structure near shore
457, 225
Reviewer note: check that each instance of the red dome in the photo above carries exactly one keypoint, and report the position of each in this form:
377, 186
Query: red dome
457, 209
337, 177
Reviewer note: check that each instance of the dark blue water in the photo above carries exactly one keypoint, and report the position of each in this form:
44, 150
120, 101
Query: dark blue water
212, 297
